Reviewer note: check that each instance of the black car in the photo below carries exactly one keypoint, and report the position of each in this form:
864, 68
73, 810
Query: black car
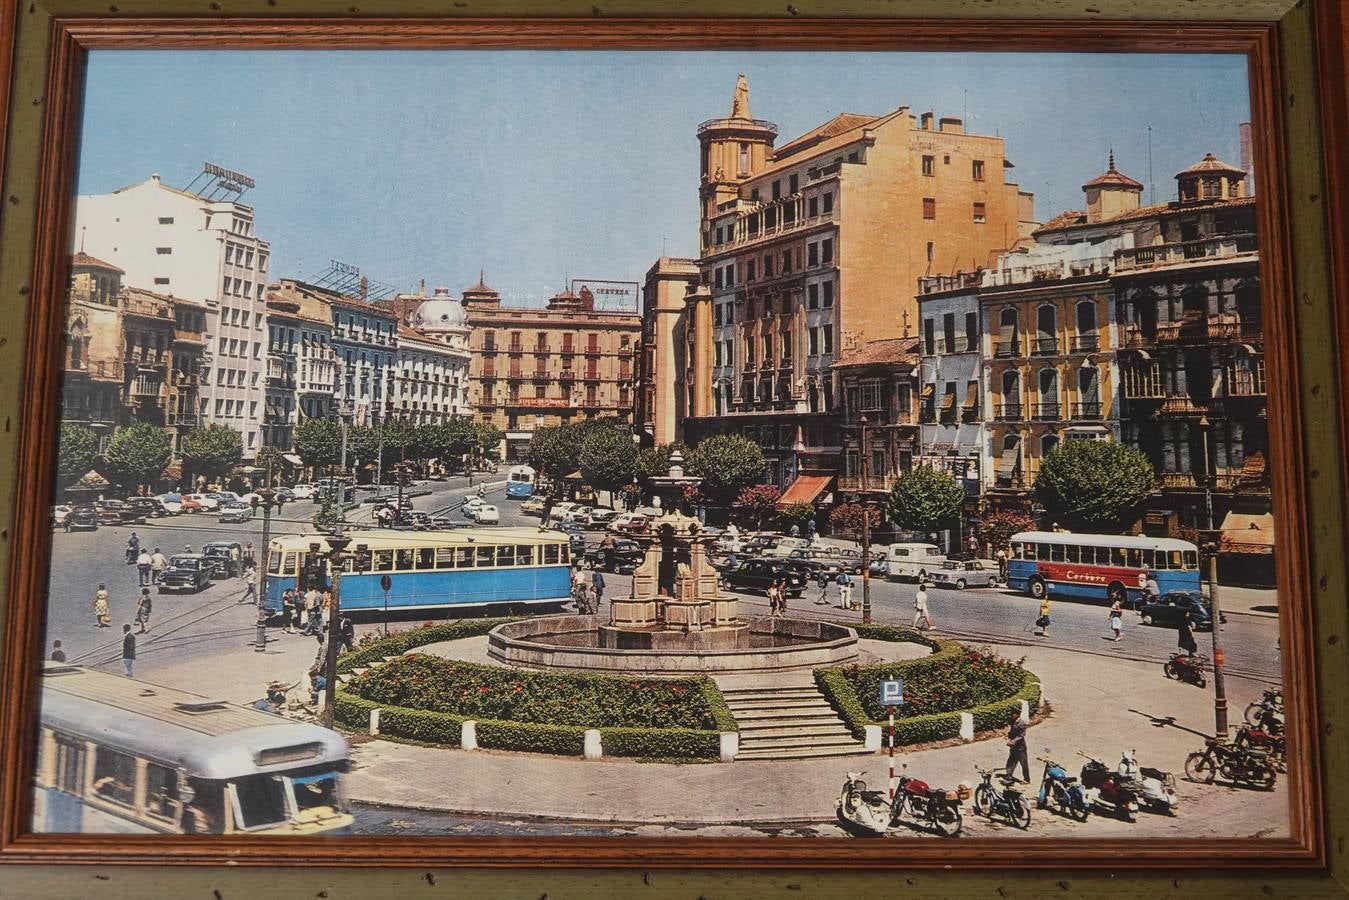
413, 518
186, 572
817, 565
622, 557
81, 518
221, 558
147, 506
1172, 606
758, 574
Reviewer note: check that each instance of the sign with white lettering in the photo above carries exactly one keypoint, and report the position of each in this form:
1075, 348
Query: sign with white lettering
892, 692
609, 296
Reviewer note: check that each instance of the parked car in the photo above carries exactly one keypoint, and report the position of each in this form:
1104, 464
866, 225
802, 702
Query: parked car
186, 572
173, 503
236, 512
115, 512
150, 507
284, 494
815, 563
960, 574
203, 502
223, 497
303, 491
59, 514
622, 558
470, 507
1171, 607
534, 506
913, 561
81, 518
221, 557
630, 523
579, 514
786, 546
441, 523
560, 511
758, 574
601, 518
417, 519
487, 514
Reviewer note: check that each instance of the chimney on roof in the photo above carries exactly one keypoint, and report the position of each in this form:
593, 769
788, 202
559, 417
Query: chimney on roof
1247, 161
951, 124
925, 122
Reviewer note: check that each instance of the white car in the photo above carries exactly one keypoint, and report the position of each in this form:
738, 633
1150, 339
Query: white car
303, 491
173, 503
560, 511
224, 497
236, 512
59, 514
579, 514
487, 514
532, 507
471, 505
600, 518
249, 498
208, 502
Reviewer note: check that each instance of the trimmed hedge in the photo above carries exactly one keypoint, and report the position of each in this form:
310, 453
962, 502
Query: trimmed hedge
401, 642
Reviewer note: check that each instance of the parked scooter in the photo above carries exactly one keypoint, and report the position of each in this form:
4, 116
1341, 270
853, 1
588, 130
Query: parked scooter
1108, 790
1008, 803
1267, 738
861, 811
1271, 700
937, 808
1156, 789
1184, 667
1065, 791
1237, 764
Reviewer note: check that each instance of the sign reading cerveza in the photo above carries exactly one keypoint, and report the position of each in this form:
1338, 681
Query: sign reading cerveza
892, 692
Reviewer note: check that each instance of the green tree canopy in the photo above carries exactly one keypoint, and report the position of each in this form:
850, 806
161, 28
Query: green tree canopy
212, 450
997, 530
76, 448
268, 458
727, 463
607, 458
656, 460
925, 499
362, 444
137, 454
847, 518
758, 501
318, 442
487, 436
554, 451
400, 437
797, 514
1094, 485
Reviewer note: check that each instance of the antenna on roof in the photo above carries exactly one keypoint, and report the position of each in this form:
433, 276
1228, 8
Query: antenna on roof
1152, 187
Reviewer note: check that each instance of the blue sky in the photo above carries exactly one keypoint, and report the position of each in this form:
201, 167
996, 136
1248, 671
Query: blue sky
539, 166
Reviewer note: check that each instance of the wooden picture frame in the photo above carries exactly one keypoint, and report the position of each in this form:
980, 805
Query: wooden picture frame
1306, 409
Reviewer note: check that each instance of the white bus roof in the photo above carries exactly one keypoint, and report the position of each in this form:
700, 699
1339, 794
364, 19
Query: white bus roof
207, 738
385, 539
1126, 541
521, 470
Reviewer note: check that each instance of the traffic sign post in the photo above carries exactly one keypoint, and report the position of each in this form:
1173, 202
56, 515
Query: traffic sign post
891, 696
386, 584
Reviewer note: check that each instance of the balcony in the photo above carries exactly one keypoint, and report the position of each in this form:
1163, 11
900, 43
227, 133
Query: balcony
1196, 330
184, 420
1045, 345
1086, 343
146, 306
1047, 412
1223, 247
1182, 405
857, 483
1007, 349
1088, 411
1008, 412
146, 388
278, 371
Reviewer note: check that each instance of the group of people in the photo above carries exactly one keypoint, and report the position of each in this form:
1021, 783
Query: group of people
777, 597
587, 597
150, 564
305, 614
844, 582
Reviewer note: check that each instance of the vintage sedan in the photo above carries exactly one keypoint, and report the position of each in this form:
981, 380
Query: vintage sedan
1171, 607
186, 572
236, 512
758, 574
622, 557
220, 554
115, 512
149, 507
81, 518
961, 573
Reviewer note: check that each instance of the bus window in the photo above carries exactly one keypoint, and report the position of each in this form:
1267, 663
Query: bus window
114, 776
1175, 559
487, 556
273, 563
1023, 551
1056, 553
403, 559
426, 557
315, 791
259, 800
1135, 558
550, 554
1117, 557
205, 812
1191, 558
565, 551
1042, 552
524, 555
463, 557
383, 560
161, 791
288, 564
1088, 555
444, 557
70, 765
506, 555
1074, 553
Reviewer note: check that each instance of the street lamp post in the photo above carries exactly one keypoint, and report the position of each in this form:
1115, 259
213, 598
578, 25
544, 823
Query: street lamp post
338, 543
1215, 611
866, 525
1208, 474
266, 498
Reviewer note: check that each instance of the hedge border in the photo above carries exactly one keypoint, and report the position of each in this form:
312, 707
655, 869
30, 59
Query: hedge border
400, 642
842, 696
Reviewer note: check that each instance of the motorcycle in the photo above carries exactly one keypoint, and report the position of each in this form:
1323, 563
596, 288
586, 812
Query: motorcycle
1008, 803
1267, 738
1156, 789
937, 808
1184, 667
1237, 764
860, 810
1109, 789
1063, 789
1270, 701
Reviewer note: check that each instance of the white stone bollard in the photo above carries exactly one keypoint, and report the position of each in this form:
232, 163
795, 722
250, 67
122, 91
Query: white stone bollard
966, 726
873, 737
730, 745
468, 736
374, 722
593, 749
1025, 711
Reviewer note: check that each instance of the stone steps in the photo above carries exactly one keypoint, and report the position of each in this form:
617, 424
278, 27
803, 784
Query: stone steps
803, 753
788, 722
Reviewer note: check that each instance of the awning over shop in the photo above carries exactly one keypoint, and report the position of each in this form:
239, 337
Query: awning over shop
1243, 533
804, 489
92, 481
948, 400
1007, 465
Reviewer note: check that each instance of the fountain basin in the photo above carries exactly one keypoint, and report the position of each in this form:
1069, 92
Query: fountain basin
756, 644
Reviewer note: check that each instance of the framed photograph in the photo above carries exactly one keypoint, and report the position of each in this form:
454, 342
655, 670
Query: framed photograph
714, 443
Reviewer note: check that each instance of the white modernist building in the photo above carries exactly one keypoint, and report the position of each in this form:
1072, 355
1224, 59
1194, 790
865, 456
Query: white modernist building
176, 242
433, 359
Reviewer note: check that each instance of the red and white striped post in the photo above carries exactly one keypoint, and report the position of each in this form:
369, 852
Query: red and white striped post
892, 751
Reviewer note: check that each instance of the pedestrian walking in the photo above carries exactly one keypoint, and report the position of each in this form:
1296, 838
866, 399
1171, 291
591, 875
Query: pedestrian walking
596, 594
1042, 622
1016, 747
128, 651
143, 608
920, 613
236, 569
1117, 619
597, 583
1185, 636
250, 559
250, 587
58, 655
311, 603
288, 617
1002, 565
782, 596
143, 566
823, 581
346, 636
158, 563
974, 547
844, 590
773, 598
101, 615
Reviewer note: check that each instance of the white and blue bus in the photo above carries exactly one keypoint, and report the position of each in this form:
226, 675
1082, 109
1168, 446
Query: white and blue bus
1105, 567
520, 483
428, 570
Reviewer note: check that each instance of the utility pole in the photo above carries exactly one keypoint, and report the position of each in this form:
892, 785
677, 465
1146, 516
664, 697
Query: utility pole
1215, 610
866, 526
338, 543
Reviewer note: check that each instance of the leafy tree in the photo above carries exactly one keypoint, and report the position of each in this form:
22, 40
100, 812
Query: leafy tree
487, 437
554, 451
607, 458
846, 518
759, 501
137, 454
727, 463
328, 514
400, 437
656, 460
212, 450
318, 442
269, 460
997, 530
1094, 485
76, 447
362, 443
925, 499
797, 514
